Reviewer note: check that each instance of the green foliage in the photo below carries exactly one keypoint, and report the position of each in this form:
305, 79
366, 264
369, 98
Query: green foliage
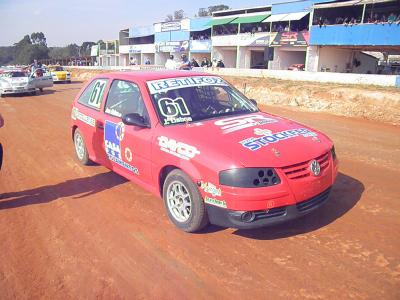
204, 12
7, 55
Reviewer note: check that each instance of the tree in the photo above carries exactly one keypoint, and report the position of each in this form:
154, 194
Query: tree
178, 15
38, 38
205, 12
86, 47
214, 8
73, 50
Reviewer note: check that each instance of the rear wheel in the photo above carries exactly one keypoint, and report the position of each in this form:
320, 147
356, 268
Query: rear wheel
183, 202
41, 89
80, 148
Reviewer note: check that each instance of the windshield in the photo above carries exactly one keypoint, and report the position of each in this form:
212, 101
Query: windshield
191, 99
14, 74
58, 69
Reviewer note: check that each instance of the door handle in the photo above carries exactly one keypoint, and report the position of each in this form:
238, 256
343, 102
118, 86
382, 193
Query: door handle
100, 125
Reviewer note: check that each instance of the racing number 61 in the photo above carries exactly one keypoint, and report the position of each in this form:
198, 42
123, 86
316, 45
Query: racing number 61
96, 94
173, 107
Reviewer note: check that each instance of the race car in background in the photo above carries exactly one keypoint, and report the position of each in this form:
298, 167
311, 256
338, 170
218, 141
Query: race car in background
59, 74
201, 145
21, 82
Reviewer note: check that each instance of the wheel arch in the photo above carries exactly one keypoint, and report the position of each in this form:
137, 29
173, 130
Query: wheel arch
188, 169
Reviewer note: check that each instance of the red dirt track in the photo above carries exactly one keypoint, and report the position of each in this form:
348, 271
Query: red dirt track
69, 232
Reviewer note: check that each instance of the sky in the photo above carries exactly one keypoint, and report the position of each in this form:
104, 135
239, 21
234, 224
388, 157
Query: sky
74, 21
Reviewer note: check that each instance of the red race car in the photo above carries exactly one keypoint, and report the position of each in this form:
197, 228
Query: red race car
201, 145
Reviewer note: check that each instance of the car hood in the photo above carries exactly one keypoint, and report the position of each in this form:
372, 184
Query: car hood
252, 140
15, 80
58, 73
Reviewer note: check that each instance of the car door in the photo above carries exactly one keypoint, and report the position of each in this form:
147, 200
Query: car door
90, 118
43, 81
128, 147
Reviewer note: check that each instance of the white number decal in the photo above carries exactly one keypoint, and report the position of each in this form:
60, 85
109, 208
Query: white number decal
95, 98
173, 107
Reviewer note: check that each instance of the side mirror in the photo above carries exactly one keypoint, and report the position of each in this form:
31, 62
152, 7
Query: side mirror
253, 101
135, 120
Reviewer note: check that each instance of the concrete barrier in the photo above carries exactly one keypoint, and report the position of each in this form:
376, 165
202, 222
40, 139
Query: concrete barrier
323, 77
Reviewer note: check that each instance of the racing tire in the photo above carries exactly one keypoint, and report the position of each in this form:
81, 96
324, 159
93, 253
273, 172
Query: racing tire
69, 81
183, 202
1, 155
33, 93
2, 95
41, 90
80, 148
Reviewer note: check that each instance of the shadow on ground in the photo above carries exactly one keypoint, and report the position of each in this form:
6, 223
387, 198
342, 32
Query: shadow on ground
345, 194
76, 188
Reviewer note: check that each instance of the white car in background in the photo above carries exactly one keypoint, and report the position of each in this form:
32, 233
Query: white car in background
20, 82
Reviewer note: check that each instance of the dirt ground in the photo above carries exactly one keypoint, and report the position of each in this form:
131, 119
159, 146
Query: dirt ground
70, 232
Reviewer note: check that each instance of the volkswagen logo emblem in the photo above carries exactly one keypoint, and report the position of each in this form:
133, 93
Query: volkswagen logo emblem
315, 168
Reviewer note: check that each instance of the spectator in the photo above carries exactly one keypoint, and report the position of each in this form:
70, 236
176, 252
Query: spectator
205, 63
391, 19
220, 64
171, 63
194, 63
147, 61
185, 63
398, 20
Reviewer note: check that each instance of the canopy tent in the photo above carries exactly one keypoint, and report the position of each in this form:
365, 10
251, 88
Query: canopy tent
221, 21
295, 16
275, 18
250, 19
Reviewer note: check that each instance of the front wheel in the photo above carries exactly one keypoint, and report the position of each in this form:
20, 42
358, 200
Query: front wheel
80, 148
183, 202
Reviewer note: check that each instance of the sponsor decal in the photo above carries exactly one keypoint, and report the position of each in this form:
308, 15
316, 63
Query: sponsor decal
164, 85
216, 202
113, 140
128, 154
255, 143
259, 131
77, 115
178, 149
229, 125
315, 168
210, 188
174, 110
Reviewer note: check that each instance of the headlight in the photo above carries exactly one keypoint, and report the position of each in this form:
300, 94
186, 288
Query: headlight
249, 177
333, 152
5, 84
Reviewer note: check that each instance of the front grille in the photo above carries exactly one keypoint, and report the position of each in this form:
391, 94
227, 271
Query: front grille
273, 212
314, 201
302, 170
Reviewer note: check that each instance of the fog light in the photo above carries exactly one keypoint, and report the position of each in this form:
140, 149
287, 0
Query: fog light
248, 216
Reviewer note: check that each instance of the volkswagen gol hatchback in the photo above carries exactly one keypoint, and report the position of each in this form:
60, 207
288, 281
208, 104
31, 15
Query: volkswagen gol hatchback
202, 146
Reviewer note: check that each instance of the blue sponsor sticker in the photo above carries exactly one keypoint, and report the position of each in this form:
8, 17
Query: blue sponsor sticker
255, 143
113, 137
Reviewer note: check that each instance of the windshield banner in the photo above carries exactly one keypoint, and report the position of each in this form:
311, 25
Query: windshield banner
164, 85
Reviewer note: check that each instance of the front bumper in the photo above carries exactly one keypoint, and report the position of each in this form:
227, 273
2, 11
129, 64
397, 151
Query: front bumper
9, 91
260, 218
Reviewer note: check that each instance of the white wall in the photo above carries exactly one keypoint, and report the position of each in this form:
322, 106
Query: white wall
285, 57
312, 58
228, 56
334, 59
368, 63
123, 59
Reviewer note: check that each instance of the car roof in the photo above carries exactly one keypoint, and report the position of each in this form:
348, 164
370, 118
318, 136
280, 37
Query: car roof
151, 75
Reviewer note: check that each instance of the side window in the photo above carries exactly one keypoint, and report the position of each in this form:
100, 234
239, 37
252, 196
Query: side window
124, 98
93, 94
